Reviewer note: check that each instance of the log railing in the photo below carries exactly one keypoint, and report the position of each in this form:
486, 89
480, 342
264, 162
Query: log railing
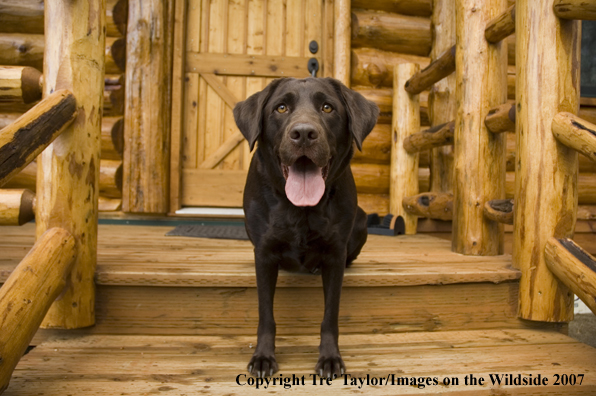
62, 262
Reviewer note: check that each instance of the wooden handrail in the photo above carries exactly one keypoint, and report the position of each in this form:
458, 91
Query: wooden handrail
20, 84
575, 9
16, 206
437, 136
499, 210
575, 133
29, 292
573, 266
436, 71
30, 134
438, 206
501, 119
501, 27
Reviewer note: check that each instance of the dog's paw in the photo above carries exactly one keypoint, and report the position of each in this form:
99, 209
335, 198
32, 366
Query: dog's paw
262, 366
330, 366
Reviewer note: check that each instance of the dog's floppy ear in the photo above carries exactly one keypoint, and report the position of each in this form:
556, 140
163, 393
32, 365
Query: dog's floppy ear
362, 113
248, 114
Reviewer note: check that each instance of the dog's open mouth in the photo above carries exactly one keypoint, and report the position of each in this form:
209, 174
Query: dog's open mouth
305, 181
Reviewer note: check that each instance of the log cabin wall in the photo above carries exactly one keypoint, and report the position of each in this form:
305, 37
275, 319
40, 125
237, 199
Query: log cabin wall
22, 44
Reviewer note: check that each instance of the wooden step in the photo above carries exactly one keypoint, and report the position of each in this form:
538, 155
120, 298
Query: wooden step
152, 284
211, 365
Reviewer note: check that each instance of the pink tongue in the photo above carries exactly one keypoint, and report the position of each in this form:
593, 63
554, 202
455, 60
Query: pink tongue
305, 185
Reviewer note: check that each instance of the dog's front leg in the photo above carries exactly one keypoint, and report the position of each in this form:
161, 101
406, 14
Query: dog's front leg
330, 363
263, 361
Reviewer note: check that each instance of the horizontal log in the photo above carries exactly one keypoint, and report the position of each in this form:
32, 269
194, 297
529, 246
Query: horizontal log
575, 133
8, 118
384, 99
374, 203
374, 178
20, 84
586, 212
501, 119
374, 68
110, 178
574, 267
117, 99
18, 49
112, 138
16, 207
109, 204
437, 70
575, 9
30, 134
410, 7
26, 16
115, 55
438, 206
25, 178
499, 210
437, 136
29, 292
501, 27
391, 32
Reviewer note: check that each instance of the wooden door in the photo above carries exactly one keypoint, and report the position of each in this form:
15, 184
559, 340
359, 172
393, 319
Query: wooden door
234, 48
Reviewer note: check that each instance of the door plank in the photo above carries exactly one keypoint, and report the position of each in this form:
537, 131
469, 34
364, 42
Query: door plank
247, 65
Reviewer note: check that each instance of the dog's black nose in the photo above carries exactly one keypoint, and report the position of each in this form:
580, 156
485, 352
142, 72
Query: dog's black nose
303, 134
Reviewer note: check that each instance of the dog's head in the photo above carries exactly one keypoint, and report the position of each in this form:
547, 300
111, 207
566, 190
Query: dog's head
306, 129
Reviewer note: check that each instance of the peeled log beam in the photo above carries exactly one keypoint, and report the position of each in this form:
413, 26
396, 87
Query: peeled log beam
25, 178
501, 119
376, 148
403, 176
391, 32
374, 203
574, 267
575, 9
406, 7
436, 71
575, 133
8, 118
438, 206
29, 135
16, 207
22, 16
22, 50
437, 136
29, 292
109, 204
374, 178
546, 186
499, 210
112, 138
68, 170
373, 67
110, 178
501, 27
20, 84
384, 99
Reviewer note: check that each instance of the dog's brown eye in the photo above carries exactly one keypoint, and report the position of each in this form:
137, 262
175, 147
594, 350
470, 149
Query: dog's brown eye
282, 108
327, 108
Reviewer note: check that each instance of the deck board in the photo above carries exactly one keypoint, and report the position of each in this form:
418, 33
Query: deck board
189, 365
144, 256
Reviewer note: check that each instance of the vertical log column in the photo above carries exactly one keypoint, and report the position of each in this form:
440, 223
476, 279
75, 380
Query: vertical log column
479, 164
68, 170
404, 166
343, 41
548, 61
147, 106
441, 100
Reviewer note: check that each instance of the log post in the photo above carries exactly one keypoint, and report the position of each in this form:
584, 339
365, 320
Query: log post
501, 27
28, 293
548, 62
30, 134
147, 101
575, 9
501, 119
342, 41
575, 133
573, 266
20, 84
404, 166
437, 206
68, 170
436, 71
16, 207
441, 100
481, 75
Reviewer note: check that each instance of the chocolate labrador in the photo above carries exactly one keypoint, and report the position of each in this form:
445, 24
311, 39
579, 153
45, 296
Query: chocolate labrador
300, 198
